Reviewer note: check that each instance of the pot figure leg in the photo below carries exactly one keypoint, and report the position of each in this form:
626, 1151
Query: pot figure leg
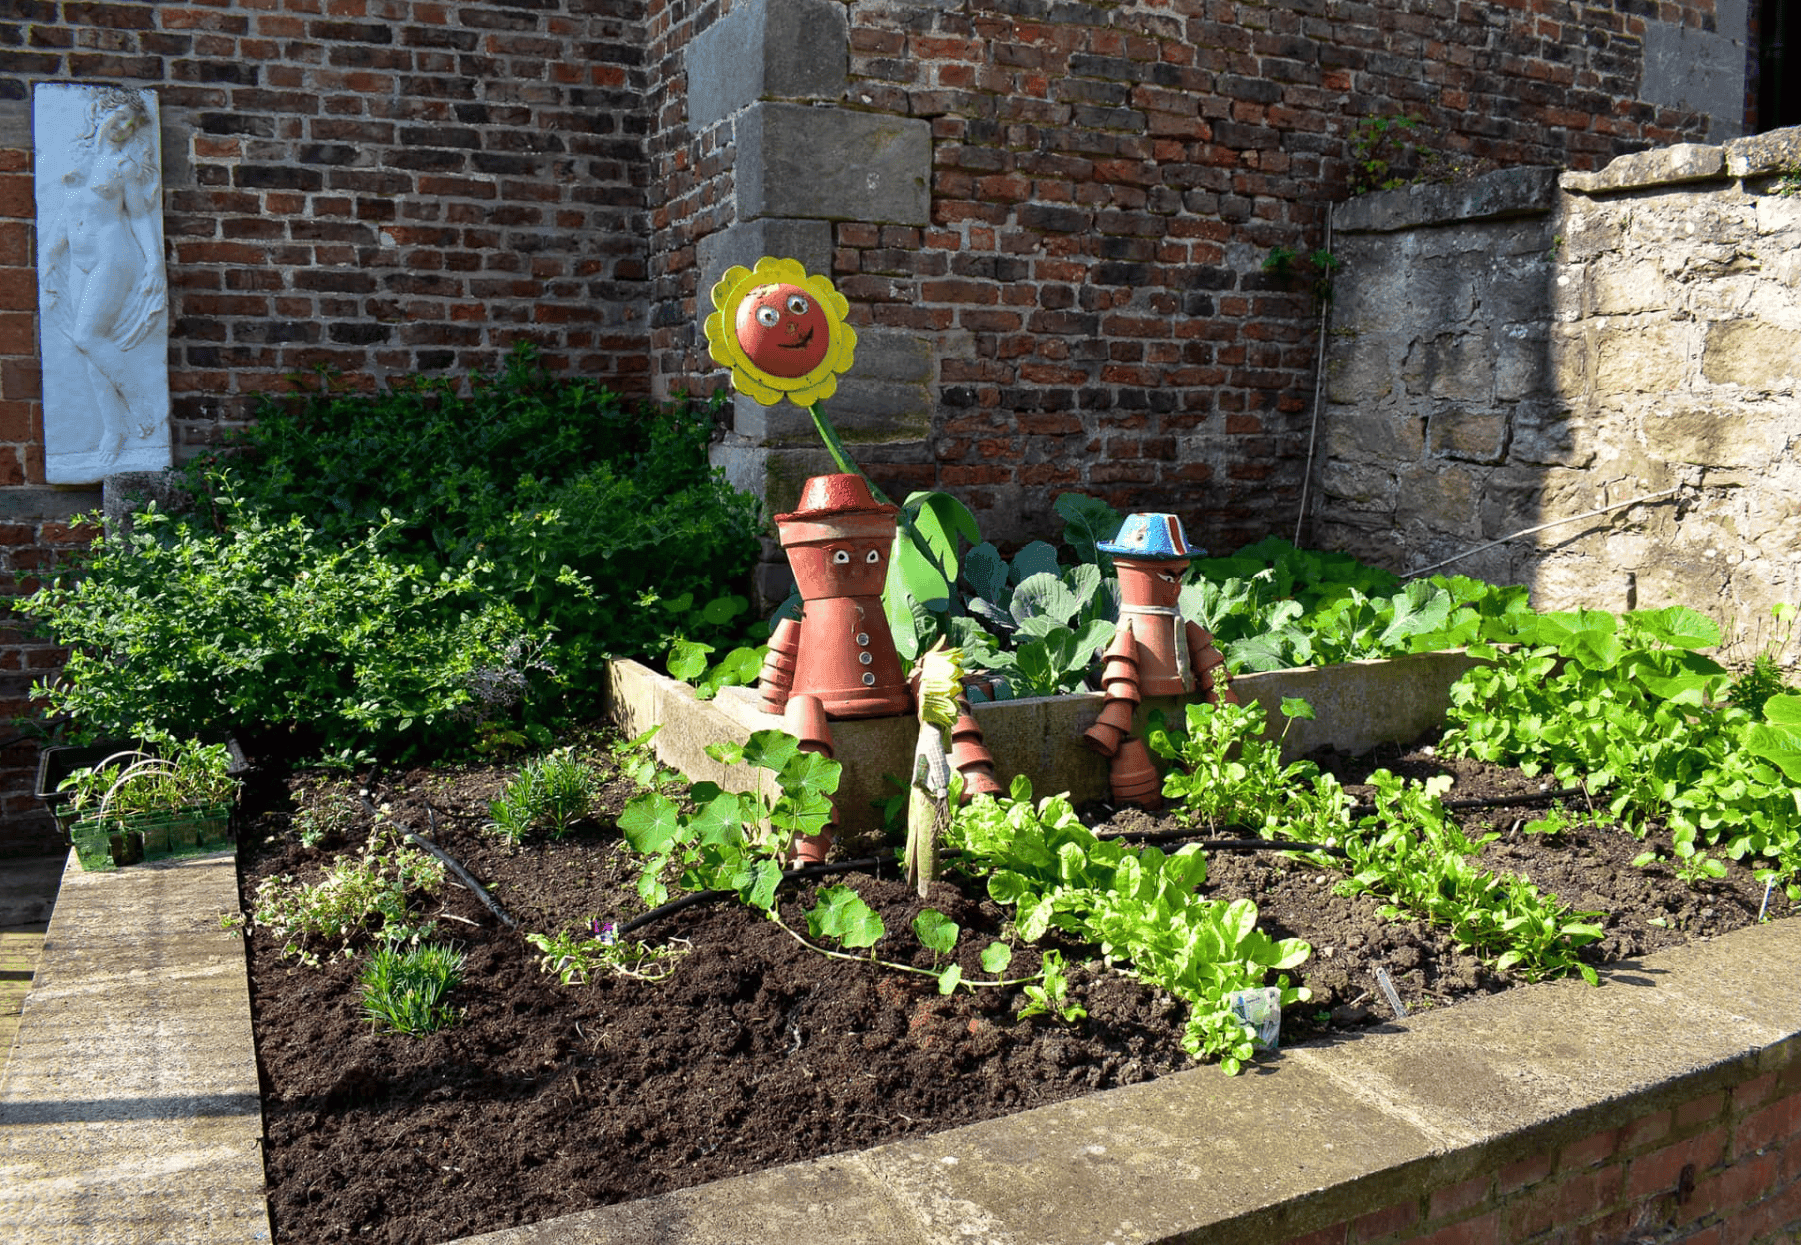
805, 719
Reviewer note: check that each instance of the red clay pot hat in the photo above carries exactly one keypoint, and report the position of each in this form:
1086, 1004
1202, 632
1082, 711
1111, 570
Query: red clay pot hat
834, 506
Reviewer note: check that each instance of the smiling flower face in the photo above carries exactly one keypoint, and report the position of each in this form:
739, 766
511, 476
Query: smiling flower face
781, 331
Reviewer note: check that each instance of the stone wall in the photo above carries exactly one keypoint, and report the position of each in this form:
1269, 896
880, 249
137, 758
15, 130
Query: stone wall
1530, 347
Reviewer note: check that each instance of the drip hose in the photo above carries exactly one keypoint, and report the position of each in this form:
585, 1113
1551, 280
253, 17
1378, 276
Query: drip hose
449, 862
1499, 801
1219, 845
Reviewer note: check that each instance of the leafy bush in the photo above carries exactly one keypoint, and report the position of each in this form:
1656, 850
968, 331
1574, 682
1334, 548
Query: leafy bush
576, 505
177, 628
404, 571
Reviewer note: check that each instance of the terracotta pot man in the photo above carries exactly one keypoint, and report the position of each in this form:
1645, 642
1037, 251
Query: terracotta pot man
1156, 652
838, 660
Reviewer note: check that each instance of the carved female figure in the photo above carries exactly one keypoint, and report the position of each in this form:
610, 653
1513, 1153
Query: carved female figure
101, 261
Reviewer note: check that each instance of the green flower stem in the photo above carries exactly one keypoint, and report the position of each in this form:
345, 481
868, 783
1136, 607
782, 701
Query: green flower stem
900, 968
835, 447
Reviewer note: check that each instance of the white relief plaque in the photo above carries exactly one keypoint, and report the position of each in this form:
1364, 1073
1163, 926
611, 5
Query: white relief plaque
103, 321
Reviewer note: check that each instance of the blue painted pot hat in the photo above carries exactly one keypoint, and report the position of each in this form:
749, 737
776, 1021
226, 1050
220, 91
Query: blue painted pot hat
1153, 537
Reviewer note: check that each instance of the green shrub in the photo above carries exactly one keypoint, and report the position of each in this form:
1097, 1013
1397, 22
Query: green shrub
177, 628
575, 503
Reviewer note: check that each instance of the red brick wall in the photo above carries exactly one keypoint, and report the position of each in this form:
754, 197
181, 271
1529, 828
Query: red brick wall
1716, 1168
26, 547
1108, 180
387, 187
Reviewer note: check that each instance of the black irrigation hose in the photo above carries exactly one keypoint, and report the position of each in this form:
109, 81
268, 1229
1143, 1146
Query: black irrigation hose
463, 875
1499, 801
1223, 845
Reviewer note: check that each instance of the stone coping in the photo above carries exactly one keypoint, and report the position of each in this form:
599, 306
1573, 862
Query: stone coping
130, 1109
1357, 706
1307, 1138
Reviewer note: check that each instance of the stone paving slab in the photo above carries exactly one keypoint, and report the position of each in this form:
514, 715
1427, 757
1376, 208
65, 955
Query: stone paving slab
130, 1112
20, 947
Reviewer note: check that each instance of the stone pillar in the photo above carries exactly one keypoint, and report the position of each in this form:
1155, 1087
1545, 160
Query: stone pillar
803, 162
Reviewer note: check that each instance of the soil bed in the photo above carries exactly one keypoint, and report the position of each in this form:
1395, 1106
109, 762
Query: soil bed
546, 1099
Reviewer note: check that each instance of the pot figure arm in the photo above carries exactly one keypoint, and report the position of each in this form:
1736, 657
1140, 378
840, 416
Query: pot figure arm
1120, 683
1212, 679
776, 679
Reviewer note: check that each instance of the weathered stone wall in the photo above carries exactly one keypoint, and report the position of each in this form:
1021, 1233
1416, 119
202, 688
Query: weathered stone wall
1532, 346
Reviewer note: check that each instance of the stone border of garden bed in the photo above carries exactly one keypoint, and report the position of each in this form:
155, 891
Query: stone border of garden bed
1666, 1097
130, 1108
1357, 706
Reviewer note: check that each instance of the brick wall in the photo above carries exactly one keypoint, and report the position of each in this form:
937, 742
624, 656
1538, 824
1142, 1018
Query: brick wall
387, 187
27, 546
1717, 1168
1106, 182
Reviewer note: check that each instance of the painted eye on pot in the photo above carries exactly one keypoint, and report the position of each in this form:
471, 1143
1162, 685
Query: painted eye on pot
797, 305
841, 557
873, 557
768, 317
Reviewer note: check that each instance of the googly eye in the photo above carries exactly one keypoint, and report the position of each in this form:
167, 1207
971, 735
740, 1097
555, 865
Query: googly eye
798, 306
841, 557
768, 317
873, 556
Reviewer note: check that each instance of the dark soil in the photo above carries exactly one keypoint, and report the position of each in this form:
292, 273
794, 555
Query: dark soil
546, 1099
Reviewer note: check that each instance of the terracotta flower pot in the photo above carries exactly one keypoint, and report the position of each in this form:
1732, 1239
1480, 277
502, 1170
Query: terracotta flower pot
1134, 778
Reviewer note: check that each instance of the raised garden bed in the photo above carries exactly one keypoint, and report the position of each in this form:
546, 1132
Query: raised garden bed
546, 1099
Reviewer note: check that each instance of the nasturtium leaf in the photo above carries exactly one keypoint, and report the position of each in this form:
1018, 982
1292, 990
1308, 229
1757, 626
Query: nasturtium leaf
996, 956
688, 659
936, 931
1295, 707
650, 822
842, 914
721, 610
718, 820
811, 771
948, 979
726, 752
771, 750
